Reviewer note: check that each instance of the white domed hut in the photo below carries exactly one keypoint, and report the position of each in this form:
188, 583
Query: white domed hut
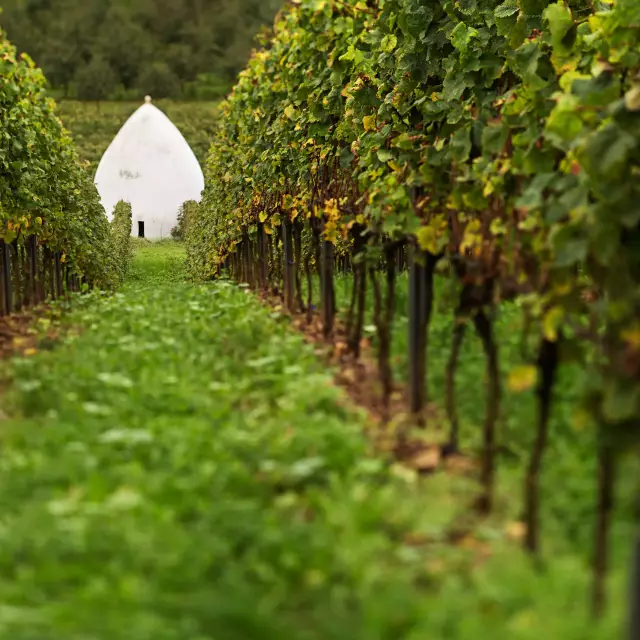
149, 165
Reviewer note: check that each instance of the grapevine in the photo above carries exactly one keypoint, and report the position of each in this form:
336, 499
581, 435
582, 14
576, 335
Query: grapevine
50, 211
497, 142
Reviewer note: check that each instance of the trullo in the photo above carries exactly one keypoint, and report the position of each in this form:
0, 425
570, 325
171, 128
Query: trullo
150, 165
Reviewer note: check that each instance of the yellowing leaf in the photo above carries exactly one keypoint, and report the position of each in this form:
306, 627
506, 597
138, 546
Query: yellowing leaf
632, 98
427, 239
522, 378
488, 188
632, 336
287, 202
551, 323
580, 419
516, 530
425, 460
472, 237
498, 227
562, 288
369, 123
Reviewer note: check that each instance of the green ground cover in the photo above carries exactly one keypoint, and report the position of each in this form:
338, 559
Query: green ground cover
93, 126
181, 468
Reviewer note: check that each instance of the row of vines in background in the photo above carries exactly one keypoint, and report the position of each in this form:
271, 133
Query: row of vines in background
496, 142
53, 229
31, 273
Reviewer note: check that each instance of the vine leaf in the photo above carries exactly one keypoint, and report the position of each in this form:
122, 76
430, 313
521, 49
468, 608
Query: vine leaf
389, 43
522, 378
632, 98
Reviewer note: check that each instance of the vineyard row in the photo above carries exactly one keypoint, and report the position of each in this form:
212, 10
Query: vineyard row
495, 143
54, 235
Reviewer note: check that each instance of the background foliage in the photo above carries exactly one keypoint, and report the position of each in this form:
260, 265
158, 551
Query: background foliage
115, 49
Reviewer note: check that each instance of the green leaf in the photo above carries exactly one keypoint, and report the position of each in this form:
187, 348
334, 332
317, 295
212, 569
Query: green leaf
346, 158
608, 150
403, 141
494, 137
384, 155
506, 9
563, 125
598, 91
526, 60
454, 86
571, 252
461, 36
560, 22
389, 43
461, 144
621, 402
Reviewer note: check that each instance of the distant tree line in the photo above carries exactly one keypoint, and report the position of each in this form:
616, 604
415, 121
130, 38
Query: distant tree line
123, 49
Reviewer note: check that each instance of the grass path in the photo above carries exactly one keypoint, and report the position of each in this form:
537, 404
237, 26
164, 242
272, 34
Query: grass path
181, 468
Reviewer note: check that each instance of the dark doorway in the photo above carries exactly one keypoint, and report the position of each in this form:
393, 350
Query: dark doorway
140, 229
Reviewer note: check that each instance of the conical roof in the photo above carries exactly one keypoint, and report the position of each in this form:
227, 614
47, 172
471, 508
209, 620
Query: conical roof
150, 165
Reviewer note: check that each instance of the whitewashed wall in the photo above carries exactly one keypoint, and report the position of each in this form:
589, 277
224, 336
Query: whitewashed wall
150, 165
